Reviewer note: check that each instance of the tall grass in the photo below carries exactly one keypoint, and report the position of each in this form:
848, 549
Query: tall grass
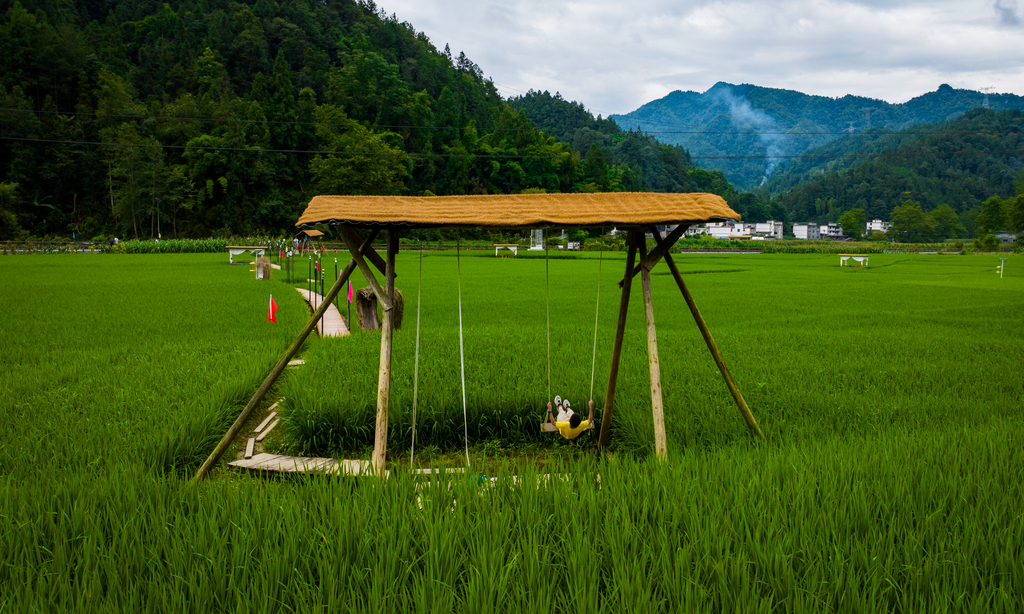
115, 369
901, 522
914, 341
130, 356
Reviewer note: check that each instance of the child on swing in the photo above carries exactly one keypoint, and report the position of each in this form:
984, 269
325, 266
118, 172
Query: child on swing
568, 422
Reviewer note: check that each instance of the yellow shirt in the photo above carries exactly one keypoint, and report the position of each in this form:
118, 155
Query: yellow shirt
572, 433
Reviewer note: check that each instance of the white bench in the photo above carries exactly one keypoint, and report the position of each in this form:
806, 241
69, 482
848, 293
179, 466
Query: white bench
861, 258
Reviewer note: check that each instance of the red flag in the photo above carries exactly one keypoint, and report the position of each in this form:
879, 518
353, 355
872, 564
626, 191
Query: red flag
350, 292
273, 310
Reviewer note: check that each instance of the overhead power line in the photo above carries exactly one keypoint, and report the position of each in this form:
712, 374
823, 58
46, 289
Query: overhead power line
420, 127
507, 156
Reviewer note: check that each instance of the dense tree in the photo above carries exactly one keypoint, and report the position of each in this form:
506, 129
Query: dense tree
382, 172
9, 228
946, 223
992, 217
227, 117
1015, 213
636, 162
853, 223
960, 163
910, 224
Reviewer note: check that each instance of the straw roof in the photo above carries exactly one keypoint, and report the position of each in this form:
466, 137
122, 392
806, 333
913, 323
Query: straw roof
312, 233
518, 210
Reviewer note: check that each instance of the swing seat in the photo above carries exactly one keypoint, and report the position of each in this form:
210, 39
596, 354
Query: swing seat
547, 427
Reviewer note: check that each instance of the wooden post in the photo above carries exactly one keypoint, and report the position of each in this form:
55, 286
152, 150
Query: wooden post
620, 329
660, 442
380, 438
709, 340
281, 364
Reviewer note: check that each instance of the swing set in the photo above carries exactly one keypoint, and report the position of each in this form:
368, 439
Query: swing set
545, 426
637, 213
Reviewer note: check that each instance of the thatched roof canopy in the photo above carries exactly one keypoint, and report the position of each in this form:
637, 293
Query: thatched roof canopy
518, 210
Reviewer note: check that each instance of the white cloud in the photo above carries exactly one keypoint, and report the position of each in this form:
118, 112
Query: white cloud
616, 56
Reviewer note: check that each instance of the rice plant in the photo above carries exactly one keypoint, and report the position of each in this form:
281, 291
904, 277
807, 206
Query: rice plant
891, 481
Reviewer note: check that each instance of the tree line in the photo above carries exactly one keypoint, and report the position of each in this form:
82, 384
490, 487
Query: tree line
952, 179
217, 117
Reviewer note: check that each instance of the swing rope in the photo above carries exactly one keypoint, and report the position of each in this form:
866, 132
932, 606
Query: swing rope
597, 310
597, 313
547, 303
462, 355
416, 367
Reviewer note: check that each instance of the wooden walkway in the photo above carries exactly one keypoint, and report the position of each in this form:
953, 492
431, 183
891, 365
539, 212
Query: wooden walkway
332, 324
304, 464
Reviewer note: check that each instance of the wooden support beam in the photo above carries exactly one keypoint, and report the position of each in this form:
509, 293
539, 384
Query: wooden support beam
620, 329
380, 438
659, 252
657, 408
281, 364
353, 248
371, 253
713, 347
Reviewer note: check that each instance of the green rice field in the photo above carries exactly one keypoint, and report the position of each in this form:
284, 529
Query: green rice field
890, 481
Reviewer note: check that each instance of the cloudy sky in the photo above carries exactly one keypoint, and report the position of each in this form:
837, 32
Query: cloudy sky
615, 55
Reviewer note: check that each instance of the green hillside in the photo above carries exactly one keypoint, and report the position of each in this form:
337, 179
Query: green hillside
747, 131
199, 117
646, 164
961, 163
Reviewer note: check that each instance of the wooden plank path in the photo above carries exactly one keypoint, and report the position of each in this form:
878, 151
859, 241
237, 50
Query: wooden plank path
304, 464
332, 324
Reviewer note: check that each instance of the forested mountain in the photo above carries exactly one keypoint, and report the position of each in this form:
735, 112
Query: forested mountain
746, 131
961, 163
643, 163
218, 116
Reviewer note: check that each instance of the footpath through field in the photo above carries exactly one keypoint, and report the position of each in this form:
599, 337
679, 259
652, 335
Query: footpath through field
332, 324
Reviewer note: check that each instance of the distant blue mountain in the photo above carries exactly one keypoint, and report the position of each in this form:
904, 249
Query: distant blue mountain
746, 131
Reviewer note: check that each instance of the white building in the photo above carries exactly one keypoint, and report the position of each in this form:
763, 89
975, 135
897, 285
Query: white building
877, 225
806, 231
832, 231
729, 230
737, 231
770, 229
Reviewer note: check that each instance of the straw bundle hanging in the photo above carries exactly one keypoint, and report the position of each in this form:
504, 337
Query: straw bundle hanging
367, 313
263, 268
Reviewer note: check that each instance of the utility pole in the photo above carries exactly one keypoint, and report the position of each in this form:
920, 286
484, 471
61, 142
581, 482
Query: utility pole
985, 91
867, 116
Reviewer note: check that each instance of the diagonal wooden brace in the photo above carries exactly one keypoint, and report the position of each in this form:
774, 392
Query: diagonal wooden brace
730, 383
620, 329
233, 431
353, 247
371, 253
659, 252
